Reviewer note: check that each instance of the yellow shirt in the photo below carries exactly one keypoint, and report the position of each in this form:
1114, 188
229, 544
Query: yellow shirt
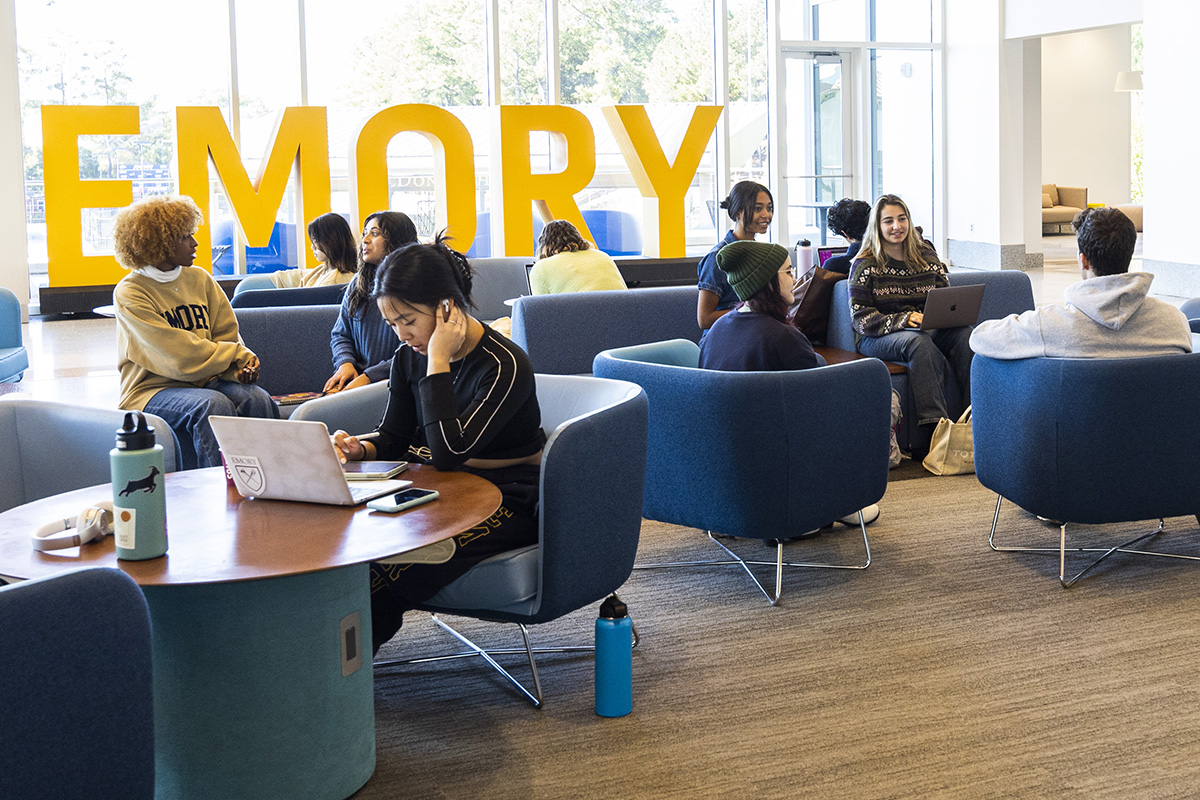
579, 271
323, 275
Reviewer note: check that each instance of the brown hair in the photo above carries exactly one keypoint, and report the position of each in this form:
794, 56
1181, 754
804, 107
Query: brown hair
560, 236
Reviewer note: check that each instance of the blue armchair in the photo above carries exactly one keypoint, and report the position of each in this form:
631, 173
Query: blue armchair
76, 688
593, 467
13, 358
817, 468
56, 447
1089, 441
252, 296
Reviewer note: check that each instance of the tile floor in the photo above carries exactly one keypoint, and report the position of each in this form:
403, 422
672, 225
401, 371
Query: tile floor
73, 358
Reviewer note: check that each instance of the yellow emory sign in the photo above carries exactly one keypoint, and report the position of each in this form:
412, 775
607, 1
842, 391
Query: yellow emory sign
301, 141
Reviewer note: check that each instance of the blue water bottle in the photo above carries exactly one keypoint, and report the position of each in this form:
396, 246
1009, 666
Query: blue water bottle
139, 496
614, 659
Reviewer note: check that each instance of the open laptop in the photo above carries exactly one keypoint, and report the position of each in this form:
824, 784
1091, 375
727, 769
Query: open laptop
826, 253
952, 306
528, 285
283, 459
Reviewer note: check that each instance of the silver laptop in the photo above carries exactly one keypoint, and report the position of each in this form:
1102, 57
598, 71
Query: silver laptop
952, 306
282, 459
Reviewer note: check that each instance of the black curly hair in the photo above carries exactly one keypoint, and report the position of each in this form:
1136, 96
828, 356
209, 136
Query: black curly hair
848, 218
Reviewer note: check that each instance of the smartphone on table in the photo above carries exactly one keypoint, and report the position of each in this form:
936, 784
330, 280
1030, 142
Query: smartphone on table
402, 500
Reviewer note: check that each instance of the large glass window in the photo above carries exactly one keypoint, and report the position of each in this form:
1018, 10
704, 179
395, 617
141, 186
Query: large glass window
78, 52
361, 57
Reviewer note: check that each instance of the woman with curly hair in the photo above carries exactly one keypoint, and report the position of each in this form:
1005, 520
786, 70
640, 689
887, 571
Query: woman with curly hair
361, 341
178, 348
569, 263
893, 274
334, 247
460, 397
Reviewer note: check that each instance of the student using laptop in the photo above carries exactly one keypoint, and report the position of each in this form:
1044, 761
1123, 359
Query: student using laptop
461, 397
848, 219
894, 272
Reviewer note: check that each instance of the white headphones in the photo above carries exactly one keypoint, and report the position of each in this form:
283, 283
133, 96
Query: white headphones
92, 524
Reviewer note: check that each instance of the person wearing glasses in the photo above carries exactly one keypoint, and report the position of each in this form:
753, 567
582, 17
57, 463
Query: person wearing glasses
756, 335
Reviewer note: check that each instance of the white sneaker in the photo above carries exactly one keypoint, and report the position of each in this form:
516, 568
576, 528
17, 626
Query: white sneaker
869, 514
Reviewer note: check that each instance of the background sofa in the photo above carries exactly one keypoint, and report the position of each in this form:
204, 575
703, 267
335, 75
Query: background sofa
1060, 204
291, 342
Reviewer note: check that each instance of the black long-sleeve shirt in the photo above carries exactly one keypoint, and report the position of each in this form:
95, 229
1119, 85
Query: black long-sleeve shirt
484, 407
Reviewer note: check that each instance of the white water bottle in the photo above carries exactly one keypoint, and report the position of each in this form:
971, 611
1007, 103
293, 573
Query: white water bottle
804, 257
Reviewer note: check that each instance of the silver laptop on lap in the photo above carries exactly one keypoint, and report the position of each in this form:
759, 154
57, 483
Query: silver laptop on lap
952, 306
280, 459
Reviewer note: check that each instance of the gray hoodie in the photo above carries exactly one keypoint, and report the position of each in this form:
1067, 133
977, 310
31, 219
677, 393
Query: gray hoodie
1103, 317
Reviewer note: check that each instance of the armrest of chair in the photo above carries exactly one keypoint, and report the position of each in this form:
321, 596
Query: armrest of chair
1073, 196
352, 410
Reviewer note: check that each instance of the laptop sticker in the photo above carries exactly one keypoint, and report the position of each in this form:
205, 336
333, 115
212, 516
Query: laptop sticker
247, 474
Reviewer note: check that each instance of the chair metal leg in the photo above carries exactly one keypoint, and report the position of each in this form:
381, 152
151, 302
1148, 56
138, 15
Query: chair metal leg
1124, 547
535, 697
778, 563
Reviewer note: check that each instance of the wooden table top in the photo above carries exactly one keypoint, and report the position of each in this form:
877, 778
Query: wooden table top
216, 535
833, 355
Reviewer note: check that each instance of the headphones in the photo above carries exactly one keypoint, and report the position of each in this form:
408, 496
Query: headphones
92, 524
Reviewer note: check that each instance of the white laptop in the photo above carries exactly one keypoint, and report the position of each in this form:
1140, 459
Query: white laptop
283, 459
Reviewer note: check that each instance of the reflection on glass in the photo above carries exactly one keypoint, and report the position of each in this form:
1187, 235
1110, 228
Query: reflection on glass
747, 109
902, 130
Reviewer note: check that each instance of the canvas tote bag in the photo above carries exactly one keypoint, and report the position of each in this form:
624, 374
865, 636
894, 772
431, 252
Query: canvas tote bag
952, 449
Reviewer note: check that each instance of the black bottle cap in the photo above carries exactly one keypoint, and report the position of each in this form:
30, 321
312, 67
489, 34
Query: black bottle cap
613, 608
803, 243
136, 433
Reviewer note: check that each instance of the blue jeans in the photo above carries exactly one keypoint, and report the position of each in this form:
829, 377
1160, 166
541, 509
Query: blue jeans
931, 356
187, 412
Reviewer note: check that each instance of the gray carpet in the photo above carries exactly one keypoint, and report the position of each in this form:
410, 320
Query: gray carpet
944, 670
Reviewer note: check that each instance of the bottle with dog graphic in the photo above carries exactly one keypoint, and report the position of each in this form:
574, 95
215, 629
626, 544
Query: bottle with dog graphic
139, 494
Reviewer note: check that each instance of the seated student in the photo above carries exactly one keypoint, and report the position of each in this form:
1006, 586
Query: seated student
362, 343
1105, 315
751, 208
848, 219
334, 247
756, 336
569, 263
892, 275
178, 348
460, 397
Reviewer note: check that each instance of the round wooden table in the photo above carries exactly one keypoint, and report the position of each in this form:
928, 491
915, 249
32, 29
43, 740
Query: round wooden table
261, 618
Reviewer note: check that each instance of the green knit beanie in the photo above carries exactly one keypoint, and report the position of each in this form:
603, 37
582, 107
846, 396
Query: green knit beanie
750, 265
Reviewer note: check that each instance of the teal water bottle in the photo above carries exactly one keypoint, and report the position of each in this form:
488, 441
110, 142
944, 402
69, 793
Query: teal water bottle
614, 659
139, 494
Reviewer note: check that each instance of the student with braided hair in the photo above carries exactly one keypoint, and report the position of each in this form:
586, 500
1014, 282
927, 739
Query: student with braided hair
460, 397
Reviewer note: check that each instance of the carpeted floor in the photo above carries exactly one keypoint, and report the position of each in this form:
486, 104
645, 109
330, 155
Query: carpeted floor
944, 670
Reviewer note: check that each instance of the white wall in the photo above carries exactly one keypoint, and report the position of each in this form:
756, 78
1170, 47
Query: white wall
972, 53
1023, 18
14, 258
1085, 124
1171, 168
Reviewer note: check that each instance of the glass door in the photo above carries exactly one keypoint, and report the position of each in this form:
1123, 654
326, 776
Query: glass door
817, 163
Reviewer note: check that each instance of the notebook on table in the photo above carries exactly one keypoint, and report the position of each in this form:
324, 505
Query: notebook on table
952, 306
283, 459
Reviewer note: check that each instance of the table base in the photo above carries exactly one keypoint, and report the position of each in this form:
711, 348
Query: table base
250, 699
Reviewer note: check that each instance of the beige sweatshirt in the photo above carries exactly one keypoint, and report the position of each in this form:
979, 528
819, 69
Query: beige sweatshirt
180, 334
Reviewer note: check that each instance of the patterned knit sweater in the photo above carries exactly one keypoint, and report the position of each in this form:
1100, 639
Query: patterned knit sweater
883, 298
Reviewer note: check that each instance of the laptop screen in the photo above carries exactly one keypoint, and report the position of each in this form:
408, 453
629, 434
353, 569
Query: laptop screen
826, 253
528, 287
